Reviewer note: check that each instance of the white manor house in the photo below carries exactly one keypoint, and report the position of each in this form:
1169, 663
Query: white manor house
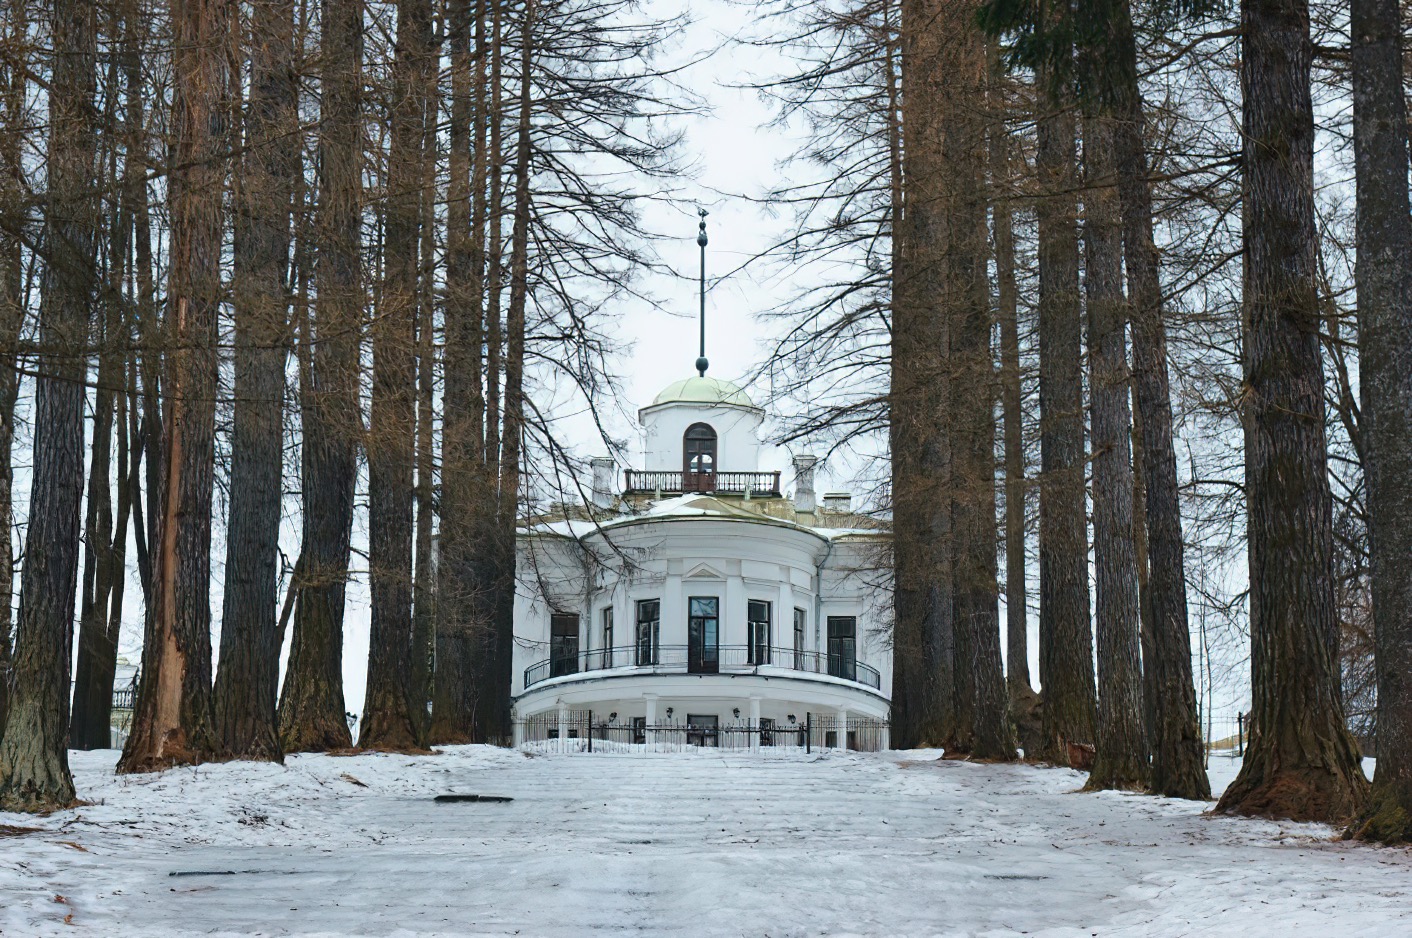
697, 602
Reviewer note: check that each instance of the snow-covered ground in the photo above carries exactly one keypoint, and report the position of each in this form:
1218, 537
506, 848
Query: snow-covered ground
689, 844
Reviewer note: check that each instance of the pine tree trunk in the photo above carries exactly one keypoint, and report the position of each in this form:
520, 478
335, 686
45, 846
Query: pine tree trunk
311, 708
923, 705
173, 720
1121, 758
1012, 401
1384, 280
1066, 642
493, 712
34, 766
459, 585
248, 679
12, 313
389, 718
1302, 762
1177, 769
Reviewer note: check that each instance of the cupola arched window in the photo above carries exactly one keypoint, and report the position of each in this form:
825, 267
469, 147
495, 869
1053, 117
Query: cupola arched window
699, 458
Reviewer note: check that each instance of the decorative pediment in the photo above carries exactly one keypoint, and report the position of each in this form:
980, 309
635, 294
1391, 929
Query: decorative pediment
704, 571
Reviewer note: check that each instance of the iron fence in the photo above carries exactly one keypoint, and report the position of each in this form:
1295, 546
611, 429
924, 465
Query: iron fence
583, 731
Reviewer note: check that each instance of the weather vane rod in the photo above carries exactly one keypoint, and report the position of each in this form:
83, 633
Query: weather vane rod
701, 363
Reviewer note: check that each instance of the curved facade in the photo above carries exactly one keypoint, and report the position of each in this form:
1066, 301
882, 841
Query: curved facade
705, 598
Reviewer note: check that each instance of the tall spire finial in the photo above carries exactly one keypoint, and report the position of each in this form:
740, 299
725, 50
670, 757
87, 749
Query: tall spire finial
701, 363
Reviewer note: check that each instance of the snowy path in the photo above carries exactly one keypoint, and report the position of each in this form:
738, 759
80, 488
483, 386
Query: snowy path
686, 844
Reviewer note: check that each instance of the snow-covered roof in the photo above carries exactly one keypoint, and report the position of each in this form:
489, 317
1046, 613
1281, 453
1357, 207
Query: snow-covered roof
682, 507
699, 389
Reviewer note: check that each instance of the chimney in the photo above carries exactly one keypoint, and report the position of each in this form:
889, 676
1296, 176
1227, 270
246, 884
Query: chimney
804, 483
604, 471
837, 501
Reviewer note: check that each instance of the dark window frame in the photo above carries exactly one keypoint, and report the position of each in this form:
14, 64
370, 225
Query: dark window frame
843, 647
699, 457
647, 640
800, 624
563, 653
606, 619
757, 645
705, 659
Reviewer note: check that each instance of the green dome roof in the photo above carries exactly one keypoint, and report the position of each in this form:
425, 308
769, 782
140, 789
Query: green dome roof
701, 390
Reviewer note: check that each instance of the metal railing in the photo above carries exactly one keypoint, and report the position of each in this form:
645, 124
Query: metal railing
683, 659
760, 484
586, 731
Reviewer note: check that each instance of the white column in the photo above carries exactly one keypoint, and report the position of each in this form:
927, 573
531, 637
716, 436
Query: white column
783, 625
754, 723
563, 727
843, 728
734, 613
651, 734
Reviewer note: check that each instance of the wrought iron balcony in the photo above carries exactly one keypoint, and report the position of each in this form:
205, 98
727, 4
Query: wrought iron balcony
682, 659
754, 484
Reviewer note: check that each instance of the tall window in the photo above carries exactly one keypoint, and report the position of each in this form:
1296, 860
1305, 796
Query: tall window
608, 637
699, 458
798, 639
703, 635
758, 632
563, 644
843, 655
649, 620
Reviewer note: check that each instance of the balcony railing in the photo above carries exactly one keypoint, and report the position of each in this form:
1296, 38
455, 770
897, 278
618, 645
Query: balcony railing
759, 484
683, 659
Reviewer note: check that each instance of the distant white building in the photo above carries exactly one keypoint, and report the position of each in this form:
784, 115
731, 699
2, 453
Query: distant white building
696, 594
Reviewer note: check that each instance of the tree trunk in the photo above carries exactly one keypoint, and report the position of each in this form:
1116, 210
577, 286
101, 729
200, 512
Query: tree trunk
1121, 758
463, 473
923, 706
1177, 769
493, 713
12, 313
173, 720
311, 709
248, 679
1012, 402
34, 766
1302, 762
1066, 642
1384, 281
389, 718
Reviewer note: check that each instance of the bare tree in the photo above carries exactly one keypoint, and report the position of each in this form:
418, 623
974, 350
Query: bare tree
1302, 762
34, 768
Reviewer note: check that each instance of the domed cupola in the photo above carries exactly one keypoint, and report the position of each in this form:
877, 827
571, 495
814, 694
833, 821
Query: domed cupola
701, 426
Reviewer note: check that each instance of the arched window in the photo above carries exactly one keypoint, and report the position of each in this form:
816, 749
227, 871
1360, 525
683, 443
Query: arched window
698, 457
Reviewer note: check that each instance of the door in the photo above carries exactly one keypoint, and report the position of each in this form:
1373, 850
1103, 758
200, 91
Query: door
563, 644
758, 632
699, 459
703, 635
701, 729
843, 655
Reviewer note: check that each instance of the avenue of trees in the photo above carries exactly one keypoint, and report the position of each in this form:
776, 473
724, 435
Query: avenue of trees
333, 258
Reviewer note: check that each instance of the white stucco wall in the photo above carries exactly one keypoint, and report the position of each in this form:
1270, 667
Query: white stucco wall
737, 435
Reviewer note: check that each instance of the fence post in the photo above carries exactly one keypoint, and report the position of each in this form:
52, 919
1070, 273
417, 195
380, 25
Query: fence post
590, 731
808, 734
1240, 735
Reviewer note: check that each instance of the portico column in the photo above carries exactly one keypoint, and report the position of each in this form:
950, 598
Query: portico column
754, 723
563, 727
650, 736
843, 728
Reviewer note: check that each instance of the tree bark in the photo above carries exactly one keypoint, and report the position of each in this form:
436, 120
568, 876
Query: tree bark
34, 766
923, 709
463, 544
1302, 762
1066, 642
248, 679
173, 720
1121, 758
1384, 281
311, 709
12, 313
389, 718
1177, 768
1012, 402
